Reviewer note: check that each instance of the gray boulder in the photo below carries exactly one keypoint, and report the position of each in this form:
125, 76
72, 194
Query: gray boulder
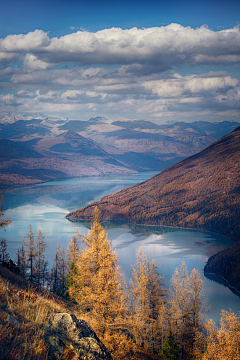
68, 336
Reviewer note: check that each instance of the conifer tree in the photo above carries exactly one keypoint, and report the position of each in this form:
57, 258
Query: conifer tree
162, 325
30, 253
147, 298
72, 253
179, 306
3, 222
157, 300
63, 270
72, 250
97, 286
140, 311
198, 305
156, 290
4, 255
22, 261
186, 307
219, 343
170, 349
40, 264
58, 272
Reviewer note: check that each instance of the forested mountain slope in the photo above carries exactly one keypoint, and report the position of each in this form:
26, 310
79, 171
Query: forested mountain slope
202, 191
226, 264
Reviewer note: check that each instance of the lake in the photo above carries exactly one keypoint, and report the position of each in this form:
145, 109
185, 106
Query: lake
45, 206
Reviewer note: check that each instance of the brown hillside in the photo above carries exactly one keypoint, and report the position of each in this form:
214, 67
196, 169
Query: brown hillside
202, 191
38, 325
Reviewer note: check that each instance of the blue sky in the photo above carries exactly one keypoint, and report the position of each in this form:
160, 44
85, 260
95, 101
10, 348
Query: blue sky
161, 61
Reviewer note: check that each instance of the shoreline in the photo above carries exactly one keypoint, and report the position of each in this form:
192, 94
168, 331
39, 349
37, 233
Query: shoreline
152, 225
227, 284
7, 188
224, 281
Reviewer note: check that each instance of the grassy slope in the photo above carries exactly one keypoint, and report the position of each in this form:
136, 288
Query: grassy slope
27, 340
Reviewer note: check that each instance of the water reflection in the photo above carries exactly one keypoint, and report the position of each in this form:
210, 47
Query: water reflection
45, 207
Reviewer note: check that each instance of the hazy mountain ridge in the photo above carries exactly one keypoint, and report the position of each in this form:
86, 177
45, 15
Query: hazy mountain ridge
13, 150
63, 156
70, 141
201, 192
97, 147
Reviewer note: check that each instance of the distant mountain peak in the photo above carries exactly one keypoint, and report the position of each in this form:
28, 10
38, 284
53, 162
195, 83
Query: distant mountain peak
71, 134
97, 119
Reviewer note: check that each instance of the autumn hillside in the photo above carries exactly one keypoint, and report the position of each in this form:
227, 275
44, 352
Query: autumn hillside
41, 325
202, 192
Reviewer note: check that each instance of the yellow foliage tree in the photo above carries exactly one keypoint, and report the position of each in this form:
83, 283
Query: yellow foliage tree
187, 307
139, 310
98, 287
221, 343
147, 297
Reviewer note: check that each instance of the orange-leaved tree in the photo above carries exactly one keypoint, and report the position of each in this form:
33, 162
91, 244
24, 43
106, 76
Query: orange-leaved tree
146, 299
98, 288
220, 343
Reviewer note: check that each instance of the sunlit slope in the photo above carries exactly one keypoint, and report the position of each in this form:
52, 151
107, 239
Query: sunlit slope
202, 191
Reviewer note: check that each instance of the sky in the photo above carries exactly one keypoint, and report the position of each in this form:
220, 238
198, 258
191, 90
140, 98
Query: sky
155, 60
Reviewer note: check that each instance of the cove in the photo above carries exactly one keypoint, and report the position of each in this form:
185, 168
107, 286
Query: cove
46, 205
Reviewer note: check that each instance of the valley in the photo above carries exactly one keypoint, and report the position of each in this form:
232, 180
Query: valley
36, 151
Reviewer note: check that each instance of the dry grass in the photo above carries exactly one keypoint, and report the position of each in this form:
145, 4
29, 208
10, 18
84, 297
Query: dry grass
23, 320
22, 323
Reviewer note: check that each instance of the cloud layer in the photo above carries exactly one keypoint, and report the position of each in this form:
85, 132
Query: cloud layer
160, 46
119, 71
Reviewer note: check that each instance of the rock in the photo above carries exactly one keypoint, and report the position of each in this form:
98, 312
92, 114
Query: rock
68, 336
11, 319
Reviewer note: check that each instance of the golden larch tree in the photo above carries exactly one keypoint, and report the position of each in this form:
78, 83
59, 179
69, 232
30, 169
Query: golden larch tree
98, 286
219, 343
179, 306
139, 302
146, 299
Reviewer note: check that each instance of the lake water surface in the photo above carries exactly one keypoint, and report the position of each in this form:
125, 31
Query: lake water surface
45, 207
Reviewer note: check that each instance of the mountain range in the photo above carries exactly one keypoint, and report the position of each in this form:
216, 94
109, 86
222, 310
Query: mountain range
38, 150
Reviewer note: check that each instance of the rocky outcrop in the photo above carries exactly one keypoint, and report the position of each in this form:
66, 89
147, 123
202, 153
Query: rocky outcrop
68, 337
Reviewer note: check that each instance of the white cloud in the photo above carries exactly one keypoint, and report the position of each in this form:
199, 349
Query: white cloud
49, 96
33, 41
125, 72
9, 100
179, 85
71, 94
25, 94
219, 59
164, 46
169, 93
198, 84
6, 57
31, 61
6, 72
